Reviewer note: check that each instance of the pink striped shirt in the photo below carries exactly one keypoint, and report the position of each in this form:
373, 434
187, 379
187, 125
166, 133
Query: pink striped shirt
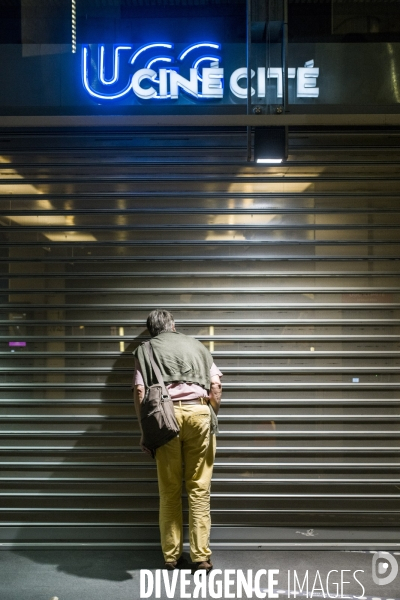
178, 390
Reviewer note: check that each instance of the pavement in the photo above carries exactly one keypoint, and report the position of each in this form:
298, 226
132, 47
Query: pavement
87, 574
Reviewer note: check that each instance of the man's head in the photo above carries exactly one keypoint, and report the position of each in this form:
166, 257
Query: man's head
159, 321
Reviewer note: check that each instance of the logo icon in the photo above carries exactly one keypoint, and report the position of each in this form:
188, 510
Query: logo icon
381, 562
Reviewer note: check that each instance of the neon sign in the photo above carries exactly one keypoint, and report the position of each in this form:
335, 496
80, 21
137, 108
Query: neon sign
102, 75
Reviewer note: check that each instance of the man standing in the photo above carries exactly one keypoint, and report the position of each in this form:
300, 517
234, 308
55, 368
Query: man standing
193, 383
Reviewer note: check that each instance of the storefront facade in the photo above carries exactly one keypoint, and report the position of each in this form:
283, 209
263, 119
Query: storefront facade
126, 186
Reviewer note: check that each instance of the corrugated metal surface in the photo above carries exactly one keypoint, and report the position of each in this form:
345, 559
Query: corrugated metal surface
290, 275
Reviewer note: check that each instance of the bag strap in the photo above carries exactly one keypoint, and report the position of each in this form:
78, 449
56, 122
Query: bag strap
157, 372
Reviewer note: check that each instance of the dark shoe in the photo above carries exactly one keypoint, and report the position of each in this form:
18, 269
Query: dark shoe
173, 564
205, 565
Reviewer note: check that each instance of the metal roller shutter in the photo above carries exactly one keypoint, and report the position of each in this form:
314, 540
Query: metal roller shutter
289, 275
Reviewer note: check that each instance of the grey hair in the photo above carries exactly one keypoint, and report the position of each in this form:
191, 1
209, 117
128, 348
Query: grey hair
159, 321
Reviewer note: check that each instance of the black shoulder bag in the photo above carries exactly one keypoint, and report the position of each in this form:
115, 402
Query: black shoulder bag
157, 415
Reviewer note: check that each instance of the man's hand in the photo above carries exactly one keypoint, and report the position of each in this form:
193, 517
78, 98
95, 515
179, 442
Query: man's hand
138, 395
215, 393
144, 448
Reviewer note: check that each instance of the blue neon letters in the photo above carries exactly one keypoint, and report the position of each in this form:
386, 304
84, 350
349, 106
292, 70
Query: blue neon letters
169, 81
108, 76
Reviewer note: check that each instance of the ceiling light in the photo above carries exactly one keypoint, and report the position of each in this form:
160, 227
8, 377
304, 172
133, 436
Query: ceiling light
269, 145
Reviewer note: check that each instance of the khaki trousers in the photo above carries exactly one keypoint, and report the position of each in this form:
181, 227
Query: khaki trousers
189, 456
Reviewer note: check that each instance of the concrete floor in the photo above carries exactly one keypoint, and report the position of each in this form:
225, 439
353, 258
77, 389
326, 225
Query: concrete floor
114, 574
